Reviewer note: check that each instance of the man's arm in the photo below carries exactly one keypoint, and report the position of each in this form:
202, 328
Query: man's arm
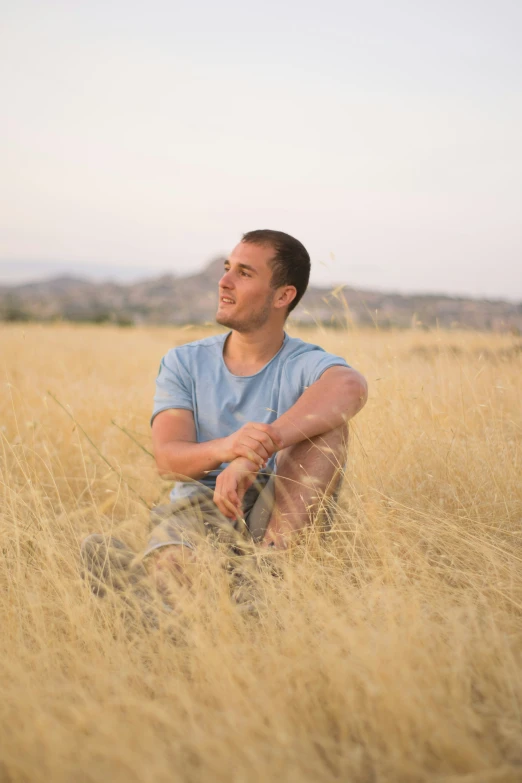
328, 403
178, 455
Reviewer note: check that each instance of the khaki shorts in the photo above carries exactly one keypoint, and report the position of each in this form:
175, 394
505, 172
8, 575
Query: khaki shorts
182, 521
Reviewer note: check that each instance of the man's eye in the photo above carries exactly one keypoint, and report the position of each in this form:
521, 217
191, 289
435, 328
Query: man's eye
245, 274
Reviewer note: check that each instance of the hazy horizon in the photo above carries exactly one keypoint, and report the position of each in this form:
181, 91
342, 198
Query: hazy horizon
98, 273
386, 138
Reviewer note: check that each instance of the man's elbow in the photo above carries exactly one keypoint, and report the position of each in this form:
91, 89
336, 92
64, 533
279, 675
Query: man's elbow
356, 393
167, 473
164, 471
171, 467
163, 463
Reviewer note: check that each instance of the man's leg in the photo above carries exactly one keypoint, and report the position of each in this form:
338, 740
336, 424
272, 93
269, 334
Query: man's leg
306, 474
107, 563
179, 528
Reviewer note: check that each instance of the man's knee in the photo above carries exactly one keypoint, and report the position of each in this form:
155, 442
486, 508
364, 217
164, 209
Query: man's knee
332, 444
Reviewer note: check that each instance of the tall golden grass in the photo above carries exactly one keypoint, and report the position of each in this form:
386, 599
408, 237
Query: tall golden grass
388, 648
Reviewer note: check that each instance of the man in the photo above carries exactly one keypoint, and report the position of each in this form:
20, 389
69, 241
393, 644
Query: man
251, 424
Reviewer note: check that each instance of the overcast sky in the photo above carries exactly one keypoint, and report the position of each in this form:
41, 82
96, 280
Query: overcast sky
146, 136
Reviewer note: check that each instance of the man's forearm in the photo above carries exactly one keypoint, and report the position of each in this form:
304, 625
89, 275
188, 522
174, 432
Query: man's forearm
178, 455
327, 404
183, 459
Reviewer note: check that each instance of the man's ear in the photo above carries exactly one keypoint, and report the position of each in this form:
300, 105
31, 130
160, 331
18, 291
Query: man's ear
286, 296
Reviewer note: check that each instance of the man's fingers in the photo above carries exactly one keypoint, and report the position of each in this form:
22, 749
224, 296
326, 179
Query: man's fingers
265, 441
252, 456
256, 445
228, 502
225, 507
263, 433
247, 454
259, 443
262, 439
272, 434
234, 500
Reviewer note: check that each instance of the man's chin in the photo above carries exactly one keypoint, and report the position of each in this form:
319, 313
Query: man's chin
224, 320
232, 323
256, 321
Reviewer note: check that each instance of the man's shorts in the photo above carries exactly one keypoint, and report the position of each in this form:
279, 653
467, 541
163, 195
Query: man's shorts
185, 520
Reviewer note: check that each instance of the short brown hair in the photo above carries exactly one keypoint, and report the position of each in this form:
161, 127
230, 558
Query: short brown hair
291, 262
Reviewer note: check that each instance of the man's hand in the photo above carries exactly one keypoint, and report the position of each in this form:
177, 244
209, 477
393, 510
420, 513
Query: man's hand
253, 441
231, 485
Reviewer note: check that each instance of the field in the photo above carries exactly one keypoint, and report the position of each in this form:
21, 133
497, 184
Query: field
388, 648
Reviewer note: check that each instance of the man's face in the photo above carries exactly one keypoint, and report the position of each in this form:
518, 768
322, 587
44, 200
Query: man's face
246, 298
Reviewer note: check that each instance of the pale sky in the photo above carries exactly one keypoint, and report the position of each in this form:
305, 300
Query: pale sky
149, 136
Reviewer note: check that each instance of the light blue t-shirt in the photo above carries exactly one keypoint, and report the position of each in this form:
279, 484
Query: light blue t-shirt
195, 377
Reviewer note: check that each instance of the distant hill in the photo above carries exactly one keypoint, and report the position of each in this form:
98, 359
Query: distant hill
193, 299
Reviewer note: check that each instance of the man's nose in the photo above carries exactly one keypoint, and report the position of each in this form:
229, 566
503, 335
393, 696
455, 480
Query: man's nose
226, 280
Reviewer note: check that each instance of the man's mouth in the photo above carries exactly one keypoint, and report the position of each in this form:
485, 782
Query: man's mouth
226, 300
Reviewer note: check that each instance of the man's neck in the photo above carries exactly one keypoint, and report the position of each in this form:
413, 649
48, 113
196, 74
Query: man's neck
253, 349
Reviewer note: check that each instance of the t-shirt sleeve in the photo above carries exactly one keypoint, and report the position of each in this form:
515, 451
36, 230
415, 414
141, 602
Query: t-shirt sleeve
315, 363
173, 387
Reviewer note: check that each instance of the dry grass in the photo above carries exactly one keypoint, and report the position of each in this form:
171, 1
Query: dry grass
391, 649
